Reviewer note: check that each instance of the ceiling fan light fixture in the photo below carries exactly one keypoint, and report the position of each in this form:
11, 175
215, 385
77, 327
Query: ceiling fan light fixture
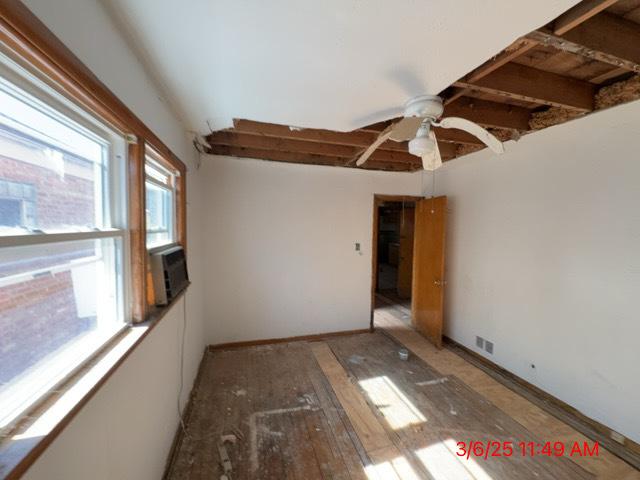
423, 144
420, 115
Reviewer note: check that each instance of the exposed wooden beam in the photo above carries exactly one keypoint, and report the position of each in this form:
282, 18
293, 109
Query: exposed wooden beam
613, 73
456, 136
532, 85
234, 139
306, 158
257, 142
593, 52
513, 51
563, 24
605, 37
489, 114
357, 138
581, 12
444, 135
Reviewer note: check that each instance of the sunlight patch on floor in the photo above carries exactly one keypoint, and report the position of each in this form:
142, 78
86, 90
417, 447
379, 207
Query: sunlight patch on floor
442, 463
470, 464
396, 469
397, 409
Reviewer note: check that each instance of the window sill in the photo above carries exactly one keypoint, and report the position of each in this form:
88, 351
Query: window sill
41, 425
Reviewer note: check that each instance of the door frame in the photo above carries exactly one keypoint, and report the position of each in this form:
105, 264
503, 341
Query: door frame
379, 199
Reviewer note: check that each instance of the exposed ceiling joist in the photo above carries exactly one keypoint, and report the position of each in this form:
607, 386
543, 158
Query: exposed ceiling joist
602, 54
582, 12
563, 24
603, 77
357, 138
489, 114
562, 66
444, 135
513, 51
605, 37
538, 86
456, 136
302, 147
295, 157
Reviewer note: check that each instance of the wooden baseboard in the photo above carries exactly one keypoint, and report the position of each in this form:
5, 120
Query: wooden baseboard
629, 451
309, 338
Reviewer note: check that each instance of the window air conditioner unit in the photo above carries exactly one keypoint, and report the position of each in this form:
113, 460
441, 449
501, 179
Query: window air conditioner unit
169, 274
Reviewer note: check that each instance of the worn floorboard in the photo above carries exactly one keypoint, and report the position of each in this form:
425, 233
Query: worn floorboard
605, 465
278, 405
350, 409
431, 412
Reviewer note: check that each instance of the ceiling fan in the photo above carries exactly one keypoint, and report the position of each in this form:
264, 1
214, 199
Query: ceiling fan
420, 114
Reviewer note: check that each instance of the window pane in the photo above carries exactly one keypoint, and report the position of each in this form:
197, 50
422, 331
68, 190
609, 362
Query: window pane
58, 303
51, 169
159, 202
158, 173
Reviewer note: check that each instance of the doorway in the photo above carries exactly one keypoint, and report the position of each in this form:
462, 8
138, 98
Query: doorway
393, 265
408, 263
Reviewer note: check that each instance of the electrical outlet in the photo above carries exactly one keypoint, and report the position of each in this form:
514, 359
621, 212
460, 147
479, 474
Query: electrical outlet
488, 346
479, 342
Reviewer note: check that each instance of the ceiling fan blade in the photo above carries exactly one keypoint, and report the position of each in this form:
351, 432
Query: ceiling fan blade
474, 129
383, 137
406, 129
432, 160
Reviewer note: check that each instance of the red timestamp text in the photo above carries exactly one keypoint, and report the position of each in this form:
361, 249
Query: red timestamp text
494, 448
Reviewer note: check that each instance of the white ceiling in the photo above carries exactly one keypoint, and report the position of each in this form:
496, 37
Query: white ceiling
336, 64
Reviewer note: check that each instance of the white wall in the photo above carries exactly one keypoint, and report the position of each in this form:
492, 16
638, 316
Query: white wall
544, 260
126, 430
281, 259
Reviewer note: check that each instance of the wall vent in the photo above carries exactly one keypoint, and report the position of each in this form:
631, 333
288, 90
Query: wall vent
488, 346
479, 342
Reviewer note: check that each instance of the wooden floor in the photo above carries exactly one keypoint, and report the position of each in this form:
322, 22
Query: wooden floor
349, 408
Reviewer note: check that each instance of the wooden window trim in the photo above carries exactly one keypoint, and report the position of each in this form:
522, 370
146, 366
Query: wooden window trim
138, 232
28, 40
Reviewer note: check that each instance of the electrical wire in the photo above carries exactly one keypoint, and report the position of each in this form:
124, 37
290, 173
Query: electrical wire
184, 334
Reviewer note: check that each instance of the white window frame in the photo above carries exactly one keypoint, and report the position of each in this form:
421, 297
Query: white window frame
113, 214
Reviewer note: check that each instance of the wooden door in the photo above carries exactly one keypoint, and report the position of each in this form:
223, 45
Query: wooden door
428, 267
405, 266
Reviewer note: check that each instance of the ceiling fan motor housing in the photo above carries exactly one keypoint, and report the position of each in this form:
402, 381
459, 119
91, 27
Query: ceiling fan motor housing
424, 106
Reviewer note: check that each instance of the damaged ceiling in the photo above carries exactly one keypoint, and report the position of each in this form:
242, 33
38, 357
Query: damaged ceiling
246, 73
337, 64
585, 60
